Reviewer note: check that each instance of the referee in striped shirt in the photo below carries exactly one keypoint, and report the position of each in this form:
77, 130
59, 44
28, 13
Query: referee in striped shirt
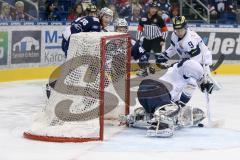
154, 29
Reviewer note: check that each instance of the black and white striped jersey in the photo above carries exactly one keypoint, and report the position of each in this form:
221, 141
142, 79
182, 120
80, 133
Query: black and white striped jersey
152, 28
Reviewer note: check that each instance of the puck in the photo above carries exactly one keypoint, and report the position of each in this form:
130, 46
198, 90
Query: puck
200, 125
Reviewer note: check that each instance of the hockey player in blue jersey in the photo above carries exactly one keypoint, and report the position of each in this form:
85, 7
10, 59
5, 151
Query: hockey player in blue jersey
87, 24
84, 24
137, 51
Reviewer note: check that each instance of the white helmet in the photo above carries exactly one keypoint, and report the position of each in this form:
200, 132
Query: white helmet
106, 11
120, 22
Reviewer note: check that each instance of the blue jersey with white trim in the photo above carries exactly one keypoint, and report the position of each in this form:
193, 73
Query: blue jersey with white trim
82, 24
137, 50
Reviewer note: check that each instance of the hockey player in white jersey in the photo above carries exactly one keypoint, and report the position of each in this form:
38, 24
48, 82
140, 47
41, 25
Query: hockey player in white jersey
164, 102
186, 43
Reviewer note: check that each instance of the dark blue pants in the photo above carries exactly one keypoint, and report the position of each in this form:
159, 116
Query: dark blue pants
153, 94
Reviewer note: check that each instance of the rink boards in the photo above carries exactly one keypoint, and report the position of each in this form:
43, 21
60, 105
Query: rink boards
33, 50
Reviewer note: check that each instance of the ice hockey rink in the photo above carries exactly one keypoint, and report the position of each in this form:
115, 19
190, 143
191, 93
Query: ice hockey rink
20, 100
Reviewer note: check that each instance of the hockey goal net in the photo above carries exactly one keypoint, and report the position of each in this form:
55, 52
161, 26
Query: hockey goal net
93, 87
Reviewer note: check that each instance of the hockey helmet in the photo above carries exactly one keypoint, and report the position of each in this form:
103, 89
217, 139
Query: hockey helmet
179, 22
106, 11
120, 22
91, 8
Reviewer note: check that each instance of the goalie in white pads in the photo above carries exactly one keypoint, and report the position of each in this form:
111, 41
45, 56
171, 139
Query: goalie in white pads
164, 101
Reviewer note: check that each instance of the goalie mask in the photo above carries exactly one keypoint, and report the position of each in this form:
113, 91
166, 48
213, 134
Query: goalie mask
121, 25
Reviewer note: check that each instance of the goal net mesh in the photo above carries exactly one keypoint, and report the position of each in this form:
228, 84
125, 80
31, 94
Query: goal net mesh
93, 86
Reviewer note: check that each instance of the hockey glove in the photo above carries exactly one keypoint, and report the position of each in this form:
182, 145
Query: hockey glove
160, 58
207, 86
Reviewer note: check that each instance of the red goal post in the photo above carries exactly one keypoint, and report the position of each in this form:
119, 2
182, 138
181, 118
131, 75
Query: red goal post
107, 45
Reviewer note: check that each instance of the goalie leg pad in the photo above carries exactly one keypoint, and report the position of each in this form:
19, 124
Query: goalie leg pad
164, 120
139, 119
189, 116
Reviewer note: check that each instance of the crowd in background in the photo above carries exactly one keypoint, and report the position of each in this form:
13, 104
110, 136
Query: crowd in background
131, 10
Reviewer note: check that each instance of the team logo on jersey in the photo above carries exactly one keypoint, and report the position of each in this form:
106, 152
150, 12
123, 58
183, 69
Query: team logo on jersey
144, 19
155, 20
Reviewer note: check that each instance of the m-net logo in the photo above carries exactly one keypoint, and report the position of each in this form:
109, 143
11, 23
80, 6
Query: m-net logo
53, 39
53, 51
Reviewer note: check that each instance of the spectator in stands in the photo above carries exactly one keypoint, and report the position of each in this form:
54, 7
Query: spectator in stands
121, 3
136, 14
113, 8
5, 12
219, 6
125, 10
19, 14
164, 6
52, 13
164, 16
174, 11
76, 12
222, 10
11, 2
103, 3
32, 8
135, 3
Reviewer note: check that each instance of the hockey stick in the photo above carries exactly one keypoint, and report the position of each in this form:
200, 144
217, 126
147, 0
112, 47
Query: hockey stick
211, 123
220, 60
213, 67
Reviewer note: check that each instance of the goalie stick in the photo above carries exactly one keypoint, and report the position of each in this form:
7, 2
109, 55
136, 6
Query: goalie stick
211, 123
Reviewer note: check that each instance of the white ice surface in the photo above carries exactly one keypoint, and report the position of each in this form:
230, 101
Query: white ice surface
20, 100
